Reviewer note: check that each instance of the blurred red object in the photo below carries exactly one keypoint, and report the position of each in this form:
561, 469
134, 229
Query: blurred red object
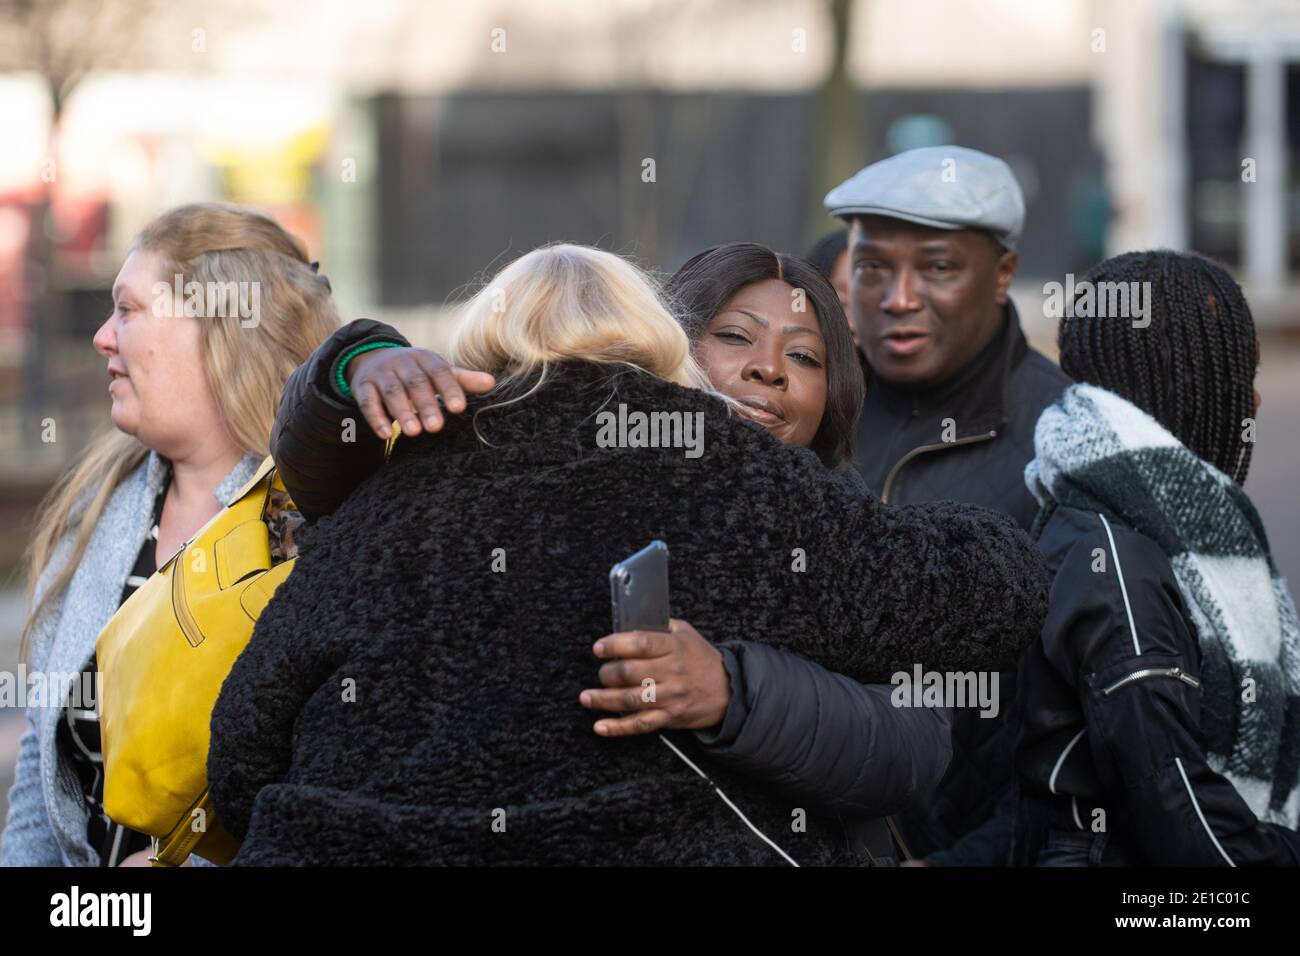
16, 214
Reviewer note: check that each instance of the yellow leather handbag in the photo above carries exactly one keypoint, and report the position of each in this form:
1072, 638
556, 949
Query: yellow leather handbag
162, 660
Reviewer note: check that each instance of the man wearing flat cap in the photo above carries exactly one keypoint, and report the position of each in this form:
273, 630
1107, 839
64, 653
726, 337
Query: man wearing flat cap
953, 395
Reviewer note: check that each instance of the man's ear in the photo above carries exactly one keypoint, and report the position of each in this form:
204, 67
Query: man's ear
1006, 271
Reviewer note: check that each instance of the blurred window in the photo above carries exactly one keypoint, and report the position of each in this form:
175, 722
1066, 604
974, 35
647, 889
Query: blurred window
1216, 110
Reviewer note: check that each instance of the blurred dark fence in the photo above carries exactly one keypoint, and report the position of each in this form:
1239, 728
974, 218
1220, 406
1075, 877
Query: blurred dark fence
473, 179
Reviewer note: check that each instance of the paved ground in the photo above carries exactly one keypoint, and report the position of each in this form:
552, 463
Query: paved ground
1274, 484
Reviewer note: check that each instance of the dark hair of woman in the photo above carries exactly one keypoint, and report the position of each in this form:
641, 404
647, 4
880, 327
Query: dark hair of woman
1192, 368
827, 249
700, 288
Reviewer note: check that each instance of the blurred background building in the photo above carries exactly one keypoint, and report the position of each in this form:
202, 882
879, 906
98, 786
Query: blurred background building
418, 145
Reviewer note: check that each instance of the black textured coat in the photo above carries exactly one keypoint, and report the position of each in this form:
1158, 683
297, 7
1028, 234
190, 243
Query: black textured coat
830, 743
466, 679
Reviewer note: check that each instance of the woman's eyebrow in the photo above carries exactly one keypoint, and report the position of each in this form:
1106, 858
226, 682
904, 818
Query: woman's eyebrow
786, 330
757, 318
122, 293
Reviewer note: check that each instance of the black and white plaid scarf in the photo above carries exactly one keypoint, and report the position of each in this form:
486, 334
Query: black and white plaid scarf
1098, 452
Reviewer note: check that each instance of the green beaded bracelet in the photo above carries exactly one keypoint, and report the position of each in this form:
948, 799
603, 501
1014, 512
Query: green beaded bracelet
339, 381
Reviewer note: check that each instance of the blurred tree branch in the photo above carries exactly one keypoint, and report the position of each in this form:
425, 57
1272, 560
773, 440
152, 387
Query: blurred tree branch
64, 40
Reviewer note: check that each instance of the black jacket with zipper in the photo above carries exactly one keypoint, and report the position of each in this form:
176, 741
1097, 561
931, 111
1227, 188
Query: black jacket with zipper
838, 744
906, 458
909, 452
1110, 741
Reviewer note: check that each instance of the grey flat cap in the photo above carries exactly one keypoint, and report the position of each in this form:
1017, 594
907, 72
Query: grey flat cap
945, 187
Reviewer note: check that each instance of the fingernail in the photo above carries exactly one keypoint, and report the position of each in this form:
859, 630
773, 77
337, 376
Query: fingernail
585, 698
598, 649
600, 729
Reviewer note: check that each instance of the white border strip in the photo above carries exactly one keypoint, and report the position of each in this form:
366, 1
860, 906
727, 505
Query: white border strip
1122, 589
1197, 807
1051, 781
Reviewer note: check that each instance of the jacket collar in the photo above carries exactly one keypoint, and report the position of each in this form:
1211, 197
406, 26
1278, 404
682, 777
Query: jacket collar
571, 393
229, 487
978, 392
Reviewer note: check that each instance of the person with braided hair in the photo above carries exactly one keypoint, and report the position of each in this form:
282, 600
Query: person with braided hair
1160, 712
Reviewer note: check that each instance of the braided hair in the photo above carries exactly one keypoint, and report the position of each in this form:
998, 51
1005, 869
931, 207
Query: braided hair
1192, 368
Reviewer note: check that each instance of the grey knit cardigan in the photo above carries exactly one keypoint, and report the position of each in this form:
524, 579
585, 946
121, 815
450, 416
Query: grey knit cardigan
47, 810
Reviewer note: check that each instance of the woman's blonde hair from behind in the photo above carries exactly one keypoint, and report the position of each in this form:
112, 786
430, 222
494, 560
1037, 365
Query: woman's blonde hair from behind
246, 364
563, 303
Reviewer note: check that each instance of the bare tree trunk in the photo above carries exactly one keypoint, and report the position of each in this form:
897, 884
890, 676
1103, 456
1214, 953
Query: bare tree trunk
44, 309
63, 41
839, 133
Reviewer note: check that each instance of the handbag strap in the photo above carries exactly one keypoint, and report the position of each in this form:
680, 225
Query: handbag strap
265, 468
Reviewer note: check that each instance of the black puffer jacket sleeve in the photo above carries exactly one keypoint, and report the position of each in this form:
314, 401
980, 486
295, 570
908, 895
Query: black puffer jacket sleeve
321, 444
839, 746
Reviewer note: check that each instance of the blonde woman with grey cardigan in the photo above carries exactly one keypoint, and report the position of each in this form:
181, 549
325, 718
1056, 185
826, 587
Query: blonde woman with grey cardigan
193, 400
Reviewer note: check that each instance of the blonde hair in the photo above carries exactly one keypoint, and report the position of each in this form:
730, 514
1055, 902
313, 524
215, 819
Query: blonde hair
565, 303
246, 366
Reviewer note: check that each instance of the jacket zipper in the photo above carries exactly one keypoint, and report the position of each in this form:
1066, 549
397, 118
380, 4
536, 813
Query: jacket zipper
189, 627
922, 449
1176, 672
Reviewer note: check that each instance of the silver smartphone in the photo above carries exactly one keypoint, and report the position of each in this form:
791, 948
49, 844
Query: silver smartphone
639, 589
